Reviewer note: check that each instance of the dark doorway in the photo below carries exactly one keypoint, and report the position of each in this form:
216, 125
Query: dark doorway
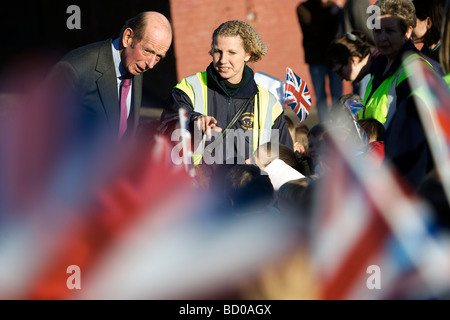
33, 29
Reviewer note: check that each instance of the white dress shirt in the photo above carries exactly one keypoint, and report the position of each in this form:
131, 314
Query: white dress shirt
120, 71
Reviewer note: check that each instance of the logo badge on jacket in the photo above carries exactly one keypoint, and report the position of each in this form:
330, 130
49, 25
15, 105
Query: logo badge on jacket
247, 120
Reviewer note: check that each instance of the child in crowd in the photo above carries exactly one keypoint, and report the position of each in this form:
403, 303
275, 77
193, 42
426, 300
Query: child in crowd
247, 191
278, 161
375, 145
300, 139
290, 200
314, 141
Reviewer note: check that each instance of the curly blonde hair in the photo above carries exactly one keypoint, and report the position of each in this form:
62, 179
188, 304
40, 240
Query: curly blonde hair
402, 9
253, 43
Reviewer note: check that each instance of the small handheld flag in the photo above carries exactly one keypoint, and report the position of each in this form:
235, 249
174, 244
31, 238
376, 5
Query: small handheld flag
354, 106
296, 94
271, 83
186, 140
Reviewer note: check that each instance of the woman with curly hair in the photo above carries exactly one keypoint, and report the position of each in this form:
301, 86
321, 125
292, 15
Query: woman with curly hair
226, 96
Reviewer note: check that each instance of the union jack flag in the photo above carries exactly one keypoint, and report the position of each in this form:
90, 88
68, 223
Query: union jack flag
354, 106
296, 94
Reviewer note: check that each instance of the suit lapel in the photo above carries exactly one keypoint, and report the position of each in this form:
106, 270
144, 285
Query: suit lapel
107, 85
137, 99
108, 89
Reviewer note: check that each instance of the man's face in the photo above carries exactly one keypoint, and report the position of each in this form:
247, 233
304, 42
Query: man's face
140, 56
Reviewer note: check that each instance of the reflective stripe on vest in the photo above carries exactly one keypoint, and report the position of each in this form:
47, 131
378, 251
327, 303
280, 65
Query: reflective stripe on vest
195, 86
385, 98
268, 101
392, 99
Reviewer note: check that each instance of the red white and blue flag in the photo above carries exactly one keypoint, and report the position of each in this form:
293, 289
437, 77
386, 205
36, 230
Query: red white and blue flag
433, 105
186, 141
296, 95
373, 238
354, 106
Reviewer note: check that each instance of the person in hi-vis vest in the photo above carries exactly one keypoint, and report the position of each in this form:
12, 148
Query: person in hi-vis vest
389, 96
226, 97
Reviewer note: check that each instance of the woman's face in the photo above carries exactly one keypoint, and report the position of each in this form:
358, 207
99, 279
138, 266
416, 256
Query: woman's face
389, 38
229, 57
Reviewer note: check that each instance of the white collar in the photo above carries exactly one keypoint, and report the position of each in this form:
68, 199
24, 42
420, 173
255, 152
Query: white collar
119, 67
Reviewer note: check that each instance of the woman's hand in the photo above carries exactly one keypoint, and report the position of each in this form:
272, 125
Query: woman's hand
206, 124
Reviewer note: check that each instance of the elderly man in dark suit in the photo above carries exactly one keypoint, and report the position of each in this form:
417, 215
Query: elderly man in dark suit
91, 78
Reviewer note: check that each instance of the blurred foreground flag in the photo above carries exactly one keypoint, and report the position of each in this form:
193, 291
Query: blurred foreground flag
51, 239
373, 238
432, 97
296, 95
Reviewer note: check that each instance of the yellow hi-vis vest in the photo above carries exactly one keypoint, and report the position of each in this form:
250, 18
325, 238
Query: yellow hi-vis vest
383, 102
195, 86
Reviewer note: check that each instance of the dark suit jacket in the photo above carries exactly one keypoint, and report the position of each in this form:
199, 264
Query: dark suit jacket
89, 79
